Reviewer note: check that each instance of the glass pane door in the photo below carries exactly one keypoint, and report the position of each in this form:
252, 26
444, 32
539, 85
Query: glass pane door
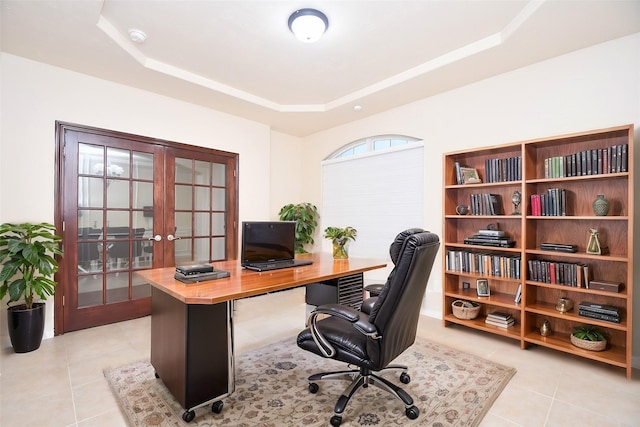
200, 216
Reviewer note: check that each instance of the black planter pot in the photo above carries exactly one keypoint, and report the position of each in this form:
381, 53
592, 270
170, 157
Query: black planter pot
26, 326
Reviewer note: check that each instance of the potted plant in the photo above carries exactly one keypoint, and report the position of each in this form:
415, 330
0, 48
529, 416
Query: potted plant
306, 217
340, 237
589, 337
27, 258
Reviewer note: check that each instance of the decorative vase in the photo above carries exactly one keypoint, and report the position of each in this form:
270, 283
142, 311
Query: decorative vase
545, 329
600, 205
340, 249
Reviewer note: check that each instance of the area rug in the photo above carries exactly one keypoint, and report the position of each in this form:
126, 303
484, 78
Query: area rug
451, 388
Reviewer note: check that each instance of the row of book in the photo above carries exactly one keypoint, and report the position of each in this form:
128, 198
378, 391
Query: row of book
597, 161
500, 319
503, 170
485, 204
551, 203
484, 264
608, 313
559, 273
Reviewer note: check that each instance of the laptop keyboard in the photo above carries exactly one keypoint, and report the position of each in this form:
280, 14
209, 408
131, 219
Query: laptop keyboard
275, 265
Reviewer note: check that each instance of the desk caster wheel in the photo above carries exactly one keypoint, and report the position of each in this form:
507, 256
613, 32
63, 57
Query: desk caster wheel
412, 413
188, 416
335, 421
405, 378
217, 406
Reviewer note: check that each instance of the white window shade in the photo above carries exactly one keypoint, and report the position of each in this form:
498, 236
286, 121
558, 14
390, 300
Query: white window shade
379, 194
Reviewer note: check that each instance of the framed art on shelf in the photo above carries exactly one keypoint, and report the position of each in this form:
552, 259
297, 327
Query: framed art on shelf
470, 176
482, 286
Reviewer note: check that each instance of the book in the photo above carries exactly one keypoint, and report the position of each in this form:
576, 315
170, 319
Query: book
499, 324
518, 298
499, 315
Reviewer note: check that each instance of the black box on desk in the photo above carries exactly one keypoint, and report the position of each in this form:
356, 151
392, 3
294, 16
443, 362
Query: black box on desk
601, 285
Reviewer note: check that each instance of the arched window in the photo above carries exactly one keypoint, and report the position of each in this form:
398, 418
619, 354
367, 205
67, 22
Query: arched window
376, 185
374, 143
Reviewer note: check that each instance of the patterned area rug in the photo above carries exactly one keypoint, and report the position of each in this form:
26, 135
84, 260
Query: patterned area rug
449, 387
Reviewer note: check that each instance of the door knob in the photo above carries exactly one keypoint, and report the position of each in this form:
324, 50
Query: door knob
157, 238
171, 237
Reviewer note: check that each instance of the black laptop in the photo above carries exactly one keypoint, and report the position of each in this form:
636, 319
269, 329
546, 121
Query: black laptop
269, 245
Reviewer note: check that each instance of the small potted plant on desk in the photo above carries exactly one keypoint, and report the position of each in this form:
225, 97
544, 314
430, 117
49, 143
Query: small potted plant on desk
340, 237
27, 257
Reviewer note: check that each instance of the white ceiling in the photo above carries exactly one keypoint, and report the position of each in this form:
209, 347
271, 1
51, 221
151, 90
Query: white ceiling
239, 56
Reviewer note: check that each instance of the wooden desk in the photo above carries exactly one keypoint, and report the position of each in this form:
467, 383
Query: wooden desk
192, 327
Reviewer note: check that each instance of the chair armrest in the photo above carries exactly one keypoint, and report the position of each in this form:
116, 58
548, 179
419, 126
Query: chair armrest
374, 289
358, 319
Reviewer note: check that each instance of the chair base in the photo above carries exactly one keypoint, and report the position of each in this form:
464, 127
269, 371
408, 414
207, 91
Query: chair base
363, 378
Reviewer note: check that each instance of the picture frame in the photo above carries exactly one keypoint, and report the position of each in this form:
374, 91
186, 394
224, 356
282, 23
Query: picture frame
482, 287
470, 175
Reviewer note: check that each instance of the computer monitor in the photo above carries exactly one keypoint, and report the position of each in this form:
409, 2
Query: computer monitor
264, 241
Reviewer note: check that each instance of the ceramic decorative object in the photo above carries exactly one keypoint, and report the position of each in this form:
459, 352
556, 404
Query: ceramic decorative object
564, 305
516, 199
545, 329
462, 209
593, 246
600, 205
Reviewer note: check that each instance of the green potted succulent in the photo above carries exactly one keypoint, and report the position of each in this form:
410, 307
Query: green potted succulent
306, 217
340, 238
27, 259
588, 337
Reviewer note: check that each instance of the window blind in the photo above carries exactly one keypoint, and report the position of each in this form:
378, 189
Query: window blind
379, 193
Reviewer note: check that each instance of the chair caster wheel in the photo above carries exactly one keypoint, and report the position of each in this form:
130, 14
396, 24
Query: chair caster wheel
313, 388
335, 421
405, 378
156, 374
188, 416
217, 406
412, 413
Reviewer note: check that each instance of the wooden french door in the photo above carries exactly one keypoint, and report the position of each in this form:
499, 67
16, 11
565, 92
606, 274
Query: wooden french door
127, 203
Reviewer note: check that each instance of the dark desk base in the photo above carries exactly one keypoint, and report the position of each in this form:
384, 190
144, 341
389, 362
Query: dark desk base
192, 349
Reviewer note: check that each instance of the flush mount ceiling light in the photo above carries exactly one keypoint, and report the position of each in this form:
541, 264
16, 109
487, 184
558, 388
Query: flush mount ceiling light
308, 25
137, 36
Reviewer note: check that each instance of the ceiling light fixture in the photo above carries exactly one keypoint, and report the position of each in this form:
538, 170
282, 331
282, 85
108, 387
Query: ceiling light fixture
308, 25
137, 36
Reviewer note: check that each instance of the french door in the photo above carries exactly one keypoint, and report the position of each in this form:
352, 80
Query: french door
127, 203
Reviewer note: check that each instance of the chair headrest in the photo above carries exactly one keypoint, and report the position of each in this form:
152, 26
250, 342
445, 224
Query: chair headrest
398, 244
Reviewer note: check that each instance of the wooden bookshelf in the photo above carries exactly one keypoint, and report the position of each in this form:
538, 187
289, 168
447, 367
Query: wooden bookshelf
529, 230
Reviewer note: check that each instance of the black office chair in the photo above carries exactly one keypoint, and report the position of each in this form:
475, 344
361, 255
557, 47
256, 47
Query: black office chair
384, 328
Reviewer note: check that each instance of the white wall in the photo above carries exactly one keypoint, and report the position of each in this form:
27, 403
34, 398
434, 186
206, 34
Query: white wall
589, 89
33, 96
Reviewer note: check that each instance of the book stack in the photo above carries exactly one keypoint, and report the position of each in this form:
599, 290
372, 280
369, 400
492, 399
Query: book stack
608, 313
497, 238
500, 319
558, 247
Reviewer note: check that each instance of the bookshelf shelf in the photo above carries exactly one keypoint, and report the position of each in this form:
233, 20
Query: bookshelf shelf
570, 171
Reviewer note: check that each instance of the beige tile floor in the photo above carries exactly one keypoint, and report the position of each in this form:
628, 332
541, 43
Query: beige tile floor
62, 383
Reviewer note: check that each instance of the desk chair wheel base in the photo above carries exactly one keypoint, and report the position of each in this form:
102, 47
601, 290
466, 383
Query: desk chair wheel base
217, 406
188, 416
335, 421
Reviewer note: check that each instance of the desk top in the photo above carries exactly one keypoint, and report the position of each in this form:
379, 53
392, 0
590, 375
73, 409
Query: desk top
245, 283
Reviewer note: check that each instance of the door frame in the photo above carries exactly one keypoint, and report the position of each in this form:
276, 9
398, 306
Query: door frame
59, 221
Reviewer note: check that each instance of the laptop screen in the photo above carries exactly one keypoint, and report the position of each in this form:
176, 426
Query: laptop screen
264, 241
